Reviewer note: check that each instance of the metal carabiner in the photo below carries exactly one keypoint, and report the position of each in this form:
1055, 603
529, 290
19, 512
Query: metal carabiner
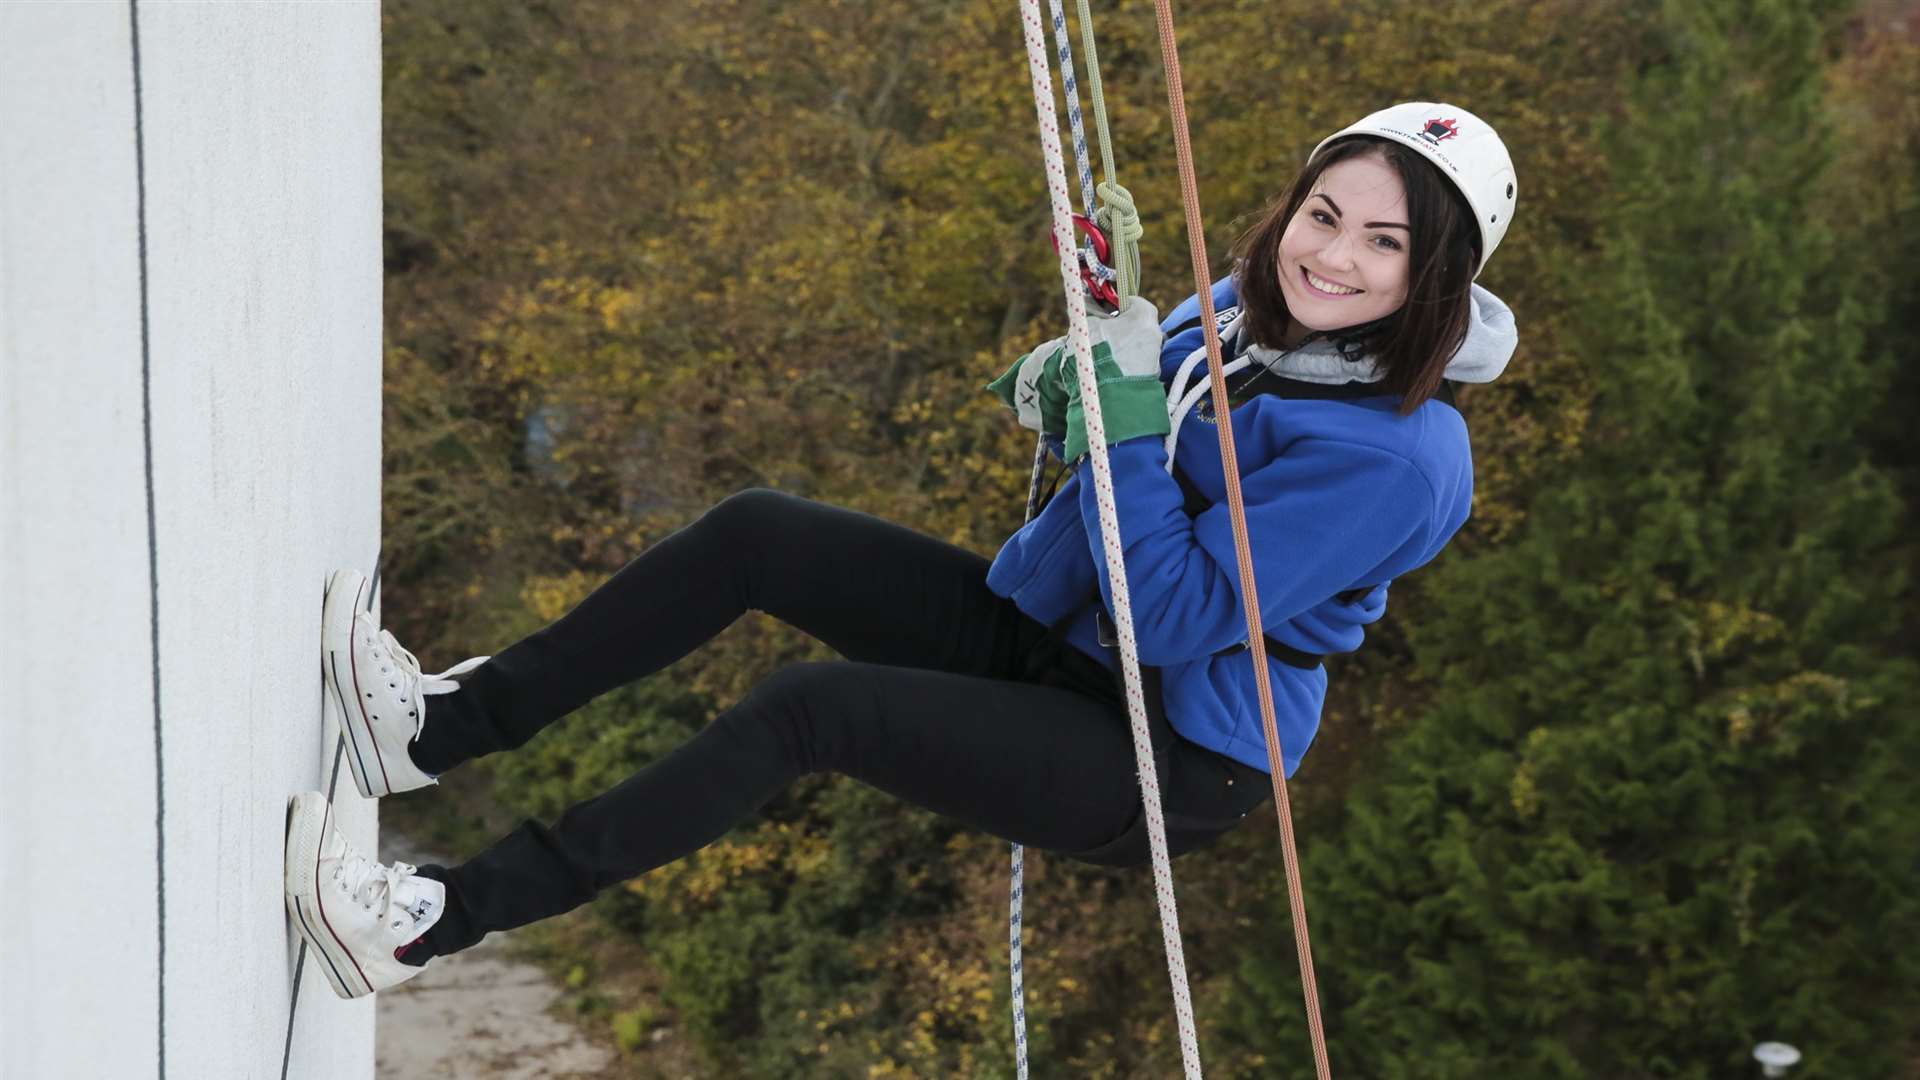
1099, 288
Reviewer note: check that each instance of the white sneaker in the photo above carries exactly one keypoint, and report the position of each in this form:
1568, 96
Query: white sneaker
352, 911
377, 688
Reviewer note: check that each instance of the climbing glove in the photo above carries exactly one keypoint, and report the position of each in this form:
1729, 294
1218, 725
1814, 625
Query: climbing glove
1031, 387
1126, 367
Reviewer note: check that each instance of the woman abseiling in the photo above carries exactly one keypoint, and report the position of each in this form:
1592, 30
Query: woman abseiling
981, 690
1350, 313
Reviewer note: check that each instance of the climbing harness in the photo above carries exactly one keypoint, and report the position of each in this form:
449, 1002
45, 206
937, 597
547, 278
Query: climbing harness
1121, 226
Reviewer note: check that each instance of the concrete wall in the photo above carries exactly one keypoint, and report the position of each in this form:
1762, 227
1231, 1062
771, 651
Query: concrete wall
161, 572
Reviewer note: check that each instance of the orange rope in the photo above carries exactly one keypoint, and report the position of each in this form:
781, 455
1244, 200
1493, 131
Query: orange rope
1256, 637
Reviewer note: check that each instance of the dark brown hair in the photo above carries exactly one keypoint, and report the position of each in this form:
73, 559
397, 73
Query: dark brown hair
1412, 345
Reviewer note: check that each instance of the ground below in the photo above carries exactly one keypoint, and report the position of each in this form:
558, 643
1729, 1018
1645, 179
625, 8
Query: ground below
480, 1014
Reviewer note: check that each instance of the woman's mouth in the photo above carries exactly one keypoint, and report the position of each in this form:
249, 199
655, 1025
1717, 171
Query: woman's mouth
1322, 287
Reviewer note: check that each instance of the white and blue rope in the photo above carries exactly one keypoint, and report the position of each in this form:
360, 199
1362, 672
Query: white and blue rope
1080, 155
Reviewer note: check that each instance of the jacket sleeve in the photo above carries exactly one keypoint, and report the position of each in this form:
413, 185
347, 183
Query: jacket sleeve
1323, 517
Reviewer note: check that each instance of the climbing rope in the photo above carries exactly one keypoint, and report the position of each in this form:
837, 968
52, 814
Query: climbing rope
1072, 86
1256, 636
1019, 852
1119, 223
1090, 258
1121, 220
1081, 344
1122, 226
1089, 252
1093, 90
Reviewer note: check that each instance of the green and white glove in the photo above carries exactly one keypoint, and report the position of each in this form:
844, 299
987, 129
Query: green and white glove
1126, 366
1031, 387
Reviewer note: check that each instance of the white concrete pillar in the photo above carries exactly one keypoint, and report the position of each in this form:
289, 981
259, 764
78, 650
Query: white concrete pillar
190, 274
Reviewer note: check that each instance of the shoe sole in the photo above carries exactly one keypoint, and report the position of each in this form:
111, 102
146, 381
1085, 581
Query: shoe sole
346, 595
306, 823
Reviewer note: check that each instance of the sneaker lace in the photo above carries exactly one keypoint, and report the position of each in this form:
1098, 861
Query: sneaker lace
445, 682
367, 880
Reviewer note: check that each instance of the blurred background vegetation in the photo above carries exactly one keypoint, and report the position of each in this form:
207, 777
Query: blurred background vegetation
1623, 785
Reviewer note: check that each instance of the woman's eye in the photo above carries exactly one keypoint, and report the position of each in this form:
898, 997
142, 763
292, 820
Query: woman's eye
1387, 243
1323, 218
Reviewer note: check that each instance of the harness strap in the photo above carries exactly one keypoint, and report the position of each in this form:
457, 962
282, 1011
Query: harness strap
1198, 504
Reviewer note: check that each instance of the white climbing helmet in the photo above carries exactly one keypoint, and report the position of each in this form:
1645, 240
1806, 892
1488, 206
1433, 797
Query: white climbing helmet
1467, 150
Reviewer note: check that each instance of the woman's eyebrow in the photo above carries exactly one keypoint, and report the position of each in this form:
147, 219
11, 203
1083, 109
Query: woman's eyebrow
1370, 224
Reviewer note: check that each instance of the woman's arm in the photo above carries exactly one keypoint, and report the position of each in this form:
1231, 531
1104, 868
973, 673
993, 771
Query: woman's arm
1322, 517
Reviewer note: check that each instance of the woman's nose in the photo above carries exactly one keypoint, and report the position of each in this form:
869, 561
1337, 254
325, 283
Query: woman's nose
1338, 254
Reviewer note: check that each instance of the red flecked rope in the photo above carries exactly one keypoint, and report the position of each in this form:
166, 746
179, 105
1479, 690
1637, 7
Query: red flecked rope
1079, 341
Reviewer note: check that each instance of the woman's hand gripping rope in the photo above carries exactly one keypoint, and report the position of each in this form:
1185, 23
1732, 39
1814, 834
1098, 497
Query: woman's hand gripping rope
1031, 387
1126, 368
1043, 387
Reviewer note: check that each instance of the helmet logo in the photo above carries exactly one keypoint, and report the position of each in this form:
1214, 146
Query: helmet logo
1440, 129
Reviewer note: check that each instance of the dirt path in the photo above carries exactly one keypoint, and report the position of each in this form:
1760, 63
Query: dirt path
476, 1014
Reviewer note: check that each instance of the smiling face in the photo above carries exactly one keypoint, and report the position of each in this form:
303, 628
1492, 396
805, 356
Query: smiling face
1343, 259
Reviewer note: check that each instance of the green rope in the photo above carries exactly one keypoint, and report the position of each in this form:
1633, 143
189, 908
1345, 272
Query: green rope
1093, 88
1119, 219
1117, 216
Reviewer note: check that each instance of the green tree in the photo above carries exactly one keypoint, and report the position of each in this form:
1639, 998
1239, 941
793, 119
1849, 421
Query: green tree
640, 256
1659, 809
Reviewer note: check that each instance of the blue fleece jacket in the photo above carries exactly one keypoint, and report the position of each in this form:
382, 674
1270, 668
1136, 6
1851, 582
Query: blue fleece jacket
1338, 494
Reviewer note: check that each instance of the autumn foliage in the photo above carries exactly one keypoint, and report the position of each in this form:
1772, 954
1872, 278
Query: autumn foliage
1621, 786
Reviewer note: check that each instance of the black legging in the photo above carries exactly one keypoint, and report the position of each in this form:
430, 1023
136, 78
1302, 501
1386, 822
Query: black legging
950, 698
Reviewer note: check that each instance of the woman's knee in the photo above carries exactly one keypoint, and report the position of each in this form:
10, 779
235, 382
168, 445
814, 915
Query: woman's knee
805, 708
735, 530
752, 509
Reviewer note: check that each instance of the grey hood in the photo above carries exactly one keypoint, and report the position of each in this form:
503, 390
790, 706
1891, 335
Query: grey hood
1489, 344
